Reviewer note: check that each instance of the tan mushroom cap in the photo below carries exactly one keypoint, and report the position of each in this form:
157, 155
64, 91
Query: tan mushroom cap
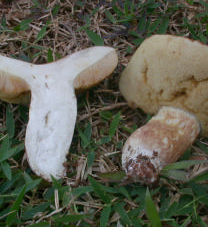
168, 71
97, 72
16, 90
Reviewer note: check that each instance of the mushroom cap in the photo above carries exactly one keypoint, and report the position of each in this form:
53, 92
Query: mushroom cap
168, 70
97, 72
16, 90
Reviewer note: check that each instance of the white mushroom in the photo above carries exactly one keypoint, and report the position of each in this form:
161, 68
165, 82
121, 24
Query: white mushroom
53, 106
166, 71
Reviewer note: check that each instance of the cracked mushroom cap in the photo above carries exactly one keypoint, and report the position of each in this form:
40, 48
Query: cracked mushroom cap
168, 70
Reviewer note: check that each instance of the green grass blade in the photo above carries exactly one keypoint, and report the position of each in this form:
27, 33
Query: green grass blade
36, 3
29, 186
124, 192
142, 25
176, 175
124, 216
4, 147
42, 32
90, 158
16, 206
203, 3
99, 190
202, 146
104, 140
163, 26
6, 169
23, 25
110, 16
190, 27
82, 190
8, 196
154, 26
33, 184
71, 218
7, 185
30, 213
55, 10
183, 164
3, 22
41, 224
118, 11
56, 183
10, 124
105, 216
96, 39
201, 177
5, 155
49, 55
88, 131
115, 176
114, 124
151, 211
86, 135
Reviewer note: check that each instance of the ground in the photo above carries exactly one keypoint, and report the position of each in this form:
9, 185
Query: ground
43, 31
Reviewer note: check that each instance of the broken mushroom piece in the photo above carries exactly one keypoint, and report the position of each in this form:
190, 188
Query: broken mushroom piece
166, 71
163, 140
53, 106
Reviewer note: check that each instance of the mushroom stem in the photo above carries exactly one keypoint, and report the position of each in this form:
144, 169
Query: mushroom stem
52, 117
163, 140
53, 106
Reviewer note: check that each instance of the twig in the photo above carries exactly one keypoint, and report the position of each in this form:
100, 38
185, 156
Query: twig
114, 106
49, 215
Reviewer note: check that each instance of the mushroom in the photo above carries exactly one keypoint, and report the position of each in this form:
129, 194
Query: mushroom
53, 106
167, 71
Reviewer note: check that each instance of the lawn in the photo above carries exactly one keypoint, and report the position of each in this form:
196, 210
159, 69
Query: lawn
41, 31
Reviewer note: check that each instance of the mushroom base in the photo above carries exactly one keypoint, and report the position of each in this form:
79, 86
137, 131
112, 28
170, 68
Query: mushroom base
142, 169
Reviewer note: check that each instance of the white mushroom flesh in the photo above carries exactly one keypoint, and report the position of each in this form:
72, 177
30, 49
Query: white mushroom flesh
53, 106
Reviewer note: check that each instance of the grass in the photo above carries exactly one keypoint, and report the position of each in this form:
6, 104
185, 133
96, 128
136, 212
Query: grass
43, 31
